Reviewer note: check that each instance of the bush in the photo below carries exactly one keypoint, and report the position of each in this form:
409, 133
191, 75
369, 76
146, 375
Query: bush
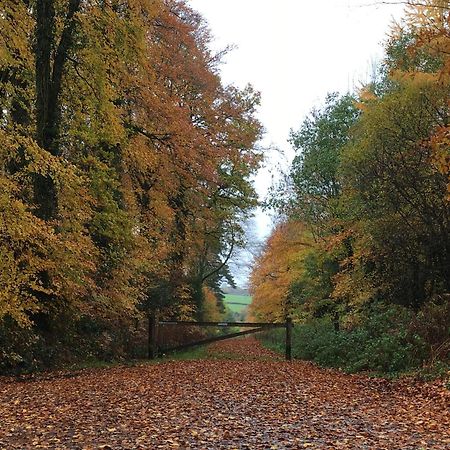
66, 342
18, 347
388, 340
432, 326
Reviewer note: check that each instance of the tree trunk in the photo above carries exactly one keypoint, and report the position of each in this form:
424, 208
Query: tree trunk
45, 196
48, 91
45, 24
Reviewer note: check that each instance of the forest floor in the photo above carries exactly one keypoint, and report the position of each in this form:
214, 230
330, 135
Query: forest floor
241, 397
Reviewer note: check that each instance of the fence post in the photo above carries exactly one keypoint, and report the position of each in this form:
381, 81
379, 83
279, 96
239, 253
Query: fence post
288, 339
153, 335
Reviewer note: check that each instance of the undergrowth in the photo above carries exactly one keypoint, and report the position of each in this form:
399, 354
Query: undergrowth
390, 342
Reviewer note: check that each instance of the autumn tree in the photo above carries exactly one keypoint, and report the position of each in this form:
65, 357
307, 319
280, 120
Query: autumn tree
125, 162
399, 212
427, 58
276, 269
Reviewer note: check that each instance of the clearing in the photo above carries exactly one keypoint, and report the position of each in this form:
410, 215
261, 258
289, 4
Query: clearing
242, 397
237, 303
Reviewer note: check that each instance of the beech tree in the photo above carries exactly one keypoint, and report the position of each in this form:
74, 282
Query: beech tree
280, 264
125, 162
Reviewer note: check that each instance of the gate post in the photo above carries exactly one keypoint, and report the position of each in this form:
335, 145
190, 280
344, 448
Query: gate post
288, 338
153, 335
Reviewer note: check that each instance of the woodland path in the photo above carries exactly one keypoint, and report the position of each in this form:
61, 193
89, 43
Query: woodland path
253, 401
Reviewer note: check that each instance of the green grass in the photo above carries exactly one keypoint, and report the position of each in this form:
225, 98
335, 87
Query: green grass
231, 299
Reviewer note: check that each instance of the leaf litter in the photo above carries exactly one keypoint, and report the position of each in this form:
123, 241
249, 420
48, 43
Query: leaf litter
242, 397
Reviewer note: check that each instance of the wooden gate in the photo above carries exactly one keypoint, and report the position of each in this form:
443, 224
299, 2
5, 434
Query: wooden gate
254, 327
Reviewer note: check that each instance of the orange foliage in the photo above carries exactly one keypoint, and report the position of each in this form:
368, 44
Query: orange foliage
211, 311
430, 21
275, 270
150, 166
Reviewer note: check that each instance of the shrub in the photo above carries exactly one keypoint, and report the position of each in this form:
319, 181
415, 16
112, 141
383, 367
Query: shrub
67, 342
388, 339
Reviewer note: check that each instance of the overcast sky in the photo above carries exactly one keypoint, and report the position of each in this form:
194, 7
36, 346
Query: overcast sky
295, 52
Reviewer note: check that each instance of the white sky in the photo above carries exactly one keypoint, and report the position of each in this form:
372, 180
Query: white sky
295, 52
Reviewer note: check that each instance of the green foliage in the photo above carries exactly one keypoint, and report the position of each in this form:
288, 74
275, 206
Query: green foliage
311, 292
125, 172
370, 180
65, 342
318, 145
398, 55
397, 196
385, 341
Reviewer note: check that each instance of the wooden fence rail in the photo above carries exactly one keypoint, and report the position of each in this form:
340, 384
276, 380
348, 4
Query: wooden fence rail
154, 349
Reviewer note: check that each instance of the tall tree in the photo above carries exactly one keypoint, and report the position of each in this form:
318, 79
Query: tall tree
318, 145
123, 154
397, 197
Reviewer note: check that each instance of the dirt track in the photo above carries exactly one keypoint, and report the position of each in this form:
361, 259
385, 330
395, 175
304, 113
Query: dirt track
252, 402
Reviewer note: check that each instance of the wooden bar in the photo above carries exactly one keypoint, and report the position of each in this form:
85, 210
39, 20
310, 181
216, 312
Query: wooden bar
224, 324
288, 339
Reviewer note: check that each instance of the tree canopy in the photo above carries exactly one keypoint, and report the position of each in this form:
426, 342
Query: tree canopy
368, 191
125, 162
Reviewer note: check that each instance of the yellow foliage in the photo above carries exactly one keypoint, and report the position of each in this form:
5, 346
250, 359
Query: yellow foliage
211, 310
24, 242
276, 268
429, 20
146, 162
440, 144
366, 96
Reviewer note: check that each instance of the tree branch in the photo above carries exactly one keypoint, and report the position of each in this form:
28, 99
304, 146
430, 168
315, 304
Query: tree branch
223, 264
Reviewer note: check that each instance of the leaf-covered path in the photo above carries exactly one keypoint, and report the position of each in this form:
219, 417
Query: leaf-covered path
254, 402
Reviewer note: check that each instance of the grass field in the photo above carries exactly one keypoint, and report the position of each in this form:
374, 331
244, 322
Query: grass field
237, 303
